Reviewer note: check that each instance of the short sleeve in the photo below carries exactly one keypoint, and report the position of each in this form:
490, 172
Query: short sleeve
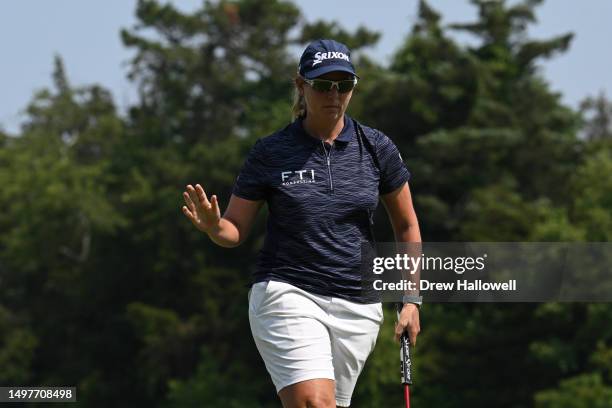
250, 183
393, 171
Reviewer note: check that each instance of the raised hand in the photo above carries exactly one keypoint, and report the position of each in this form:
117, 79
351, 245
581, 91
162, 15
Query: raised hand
203, 214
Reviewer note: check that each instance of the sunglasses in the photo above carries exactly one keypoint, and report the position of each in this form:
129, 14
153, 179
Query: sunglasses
325, 85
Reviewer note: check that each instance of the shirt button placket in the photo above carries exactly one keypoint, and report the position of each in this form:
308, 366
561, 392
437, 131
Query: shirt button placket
328, 160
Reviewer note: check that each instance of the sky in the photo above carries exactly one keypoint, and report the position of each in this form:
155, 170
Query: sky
85, 33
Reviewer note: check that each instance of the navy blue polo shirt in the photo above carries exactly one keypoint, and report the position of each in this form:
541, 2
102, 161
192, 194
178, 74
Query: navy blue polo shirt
320, 198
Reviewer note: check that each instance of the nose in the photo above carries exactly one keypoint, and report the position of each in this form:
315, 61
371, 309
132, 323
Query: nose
333, 92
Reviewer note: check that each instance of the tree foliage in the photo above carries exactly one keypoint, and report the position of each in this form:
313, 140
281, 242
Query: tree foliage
107, 287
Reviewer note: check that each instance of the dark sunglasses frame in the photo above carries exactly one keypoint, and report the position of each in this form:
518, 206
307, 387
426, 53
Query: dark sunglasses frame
326, 85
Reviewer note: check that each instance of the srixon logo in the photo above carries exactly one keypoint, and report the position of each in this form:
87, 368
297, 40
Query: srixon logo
322, 56
297, 177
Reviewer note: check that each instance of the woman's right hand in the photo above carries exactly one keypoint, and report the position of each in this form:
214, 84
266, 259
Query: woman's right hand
203, 214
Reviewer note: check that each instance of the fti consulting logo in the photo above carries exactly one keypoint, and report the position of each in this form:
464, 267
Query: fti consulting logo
297, 177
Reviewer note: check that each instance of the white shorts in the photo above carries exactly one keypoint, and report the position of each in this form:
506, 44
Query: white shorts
302, 336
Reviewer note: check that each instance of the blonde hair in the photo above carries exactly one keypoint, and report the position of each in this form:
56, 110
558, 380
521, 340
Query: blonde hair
298, 109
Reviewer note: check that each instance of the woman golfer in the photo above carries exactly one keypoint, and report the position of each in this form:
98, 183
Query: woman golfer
321, 177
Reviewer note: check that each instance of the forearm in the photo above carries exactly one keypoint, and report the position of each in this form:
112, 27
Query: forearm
409, 233
225, 234
408, 241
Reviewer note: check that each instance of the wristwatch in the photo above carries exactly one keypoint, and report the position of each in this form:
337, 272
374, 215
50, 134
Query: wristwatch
417, 300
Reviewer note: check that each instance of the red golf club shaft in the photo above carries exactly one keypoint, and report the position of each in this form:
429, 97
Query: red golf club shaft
407, 395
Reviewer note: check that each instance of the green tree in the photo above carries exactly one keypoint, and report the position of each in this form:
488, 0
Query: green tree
598, 117
57, 209
106, 286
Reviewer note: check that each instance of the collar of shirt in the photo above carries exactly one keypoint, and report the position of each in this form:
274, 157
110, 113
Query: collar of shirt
346, 134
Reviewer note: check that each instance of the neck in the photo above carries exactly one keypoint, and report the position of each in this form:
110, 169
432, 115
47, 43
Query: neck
324, 130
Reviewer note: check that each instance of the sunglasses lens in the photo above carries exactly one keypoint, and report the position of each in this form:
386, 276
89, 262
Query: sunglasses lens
321, 85
346, 86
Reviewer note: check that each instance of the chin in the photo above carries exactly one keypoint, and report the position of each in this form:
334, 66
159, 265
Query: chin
332, 114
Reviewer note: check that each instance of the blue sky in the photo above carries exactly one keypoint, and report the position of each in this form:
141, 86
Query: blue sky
86, 34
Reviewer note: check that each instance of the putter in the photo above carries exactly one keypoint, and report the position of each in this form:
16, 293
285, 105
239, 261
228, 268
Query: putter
405, 361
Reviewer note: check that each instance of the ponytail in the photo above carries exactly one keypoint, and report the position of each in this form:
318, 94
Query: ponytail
298, 109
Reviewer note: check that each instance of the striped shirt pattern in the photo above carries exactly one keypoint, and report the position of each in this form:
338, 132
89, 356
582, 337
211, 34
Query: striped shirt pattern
321, 199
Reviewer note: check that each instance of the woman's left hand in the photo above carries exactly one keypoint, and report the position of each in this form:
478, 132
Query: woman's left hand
408, 321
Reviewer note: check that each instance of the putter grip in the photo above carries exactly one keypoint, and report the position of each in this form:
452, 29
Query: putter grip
405, 361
